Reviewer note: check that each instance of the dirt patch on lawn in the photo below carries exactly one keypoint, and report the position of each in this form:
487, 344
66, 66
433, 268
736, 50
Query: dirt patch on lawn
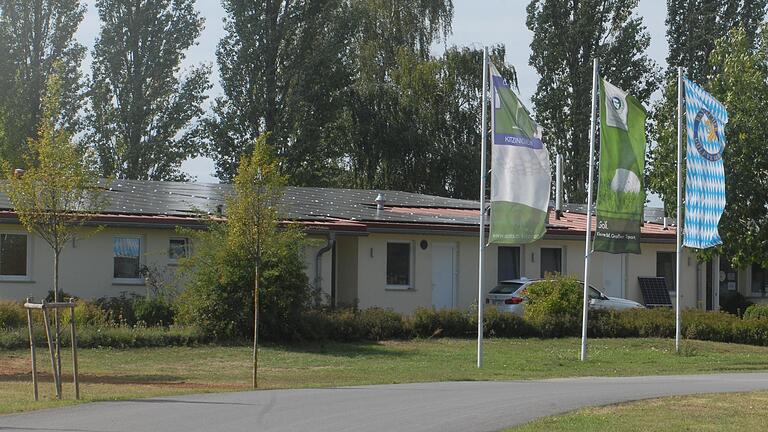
18, 368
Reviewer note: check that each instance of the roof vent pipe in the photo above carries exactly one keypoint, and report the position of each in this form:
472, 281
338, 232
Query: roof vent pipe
558, 186
380, 201
18, 172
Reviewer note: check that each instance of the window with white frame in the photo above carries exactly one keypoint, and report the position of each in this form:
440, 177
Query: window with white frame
13, 256
399, 264
127, 258
178, 248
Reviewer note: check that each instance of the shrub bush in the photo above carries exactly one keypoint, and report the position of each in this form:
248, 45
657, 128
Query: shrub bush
757, 311
553, 304
429, 323
152, 311
219, 296
119, 310
499, 324
86, 313
734, 303
110, 336
12, 315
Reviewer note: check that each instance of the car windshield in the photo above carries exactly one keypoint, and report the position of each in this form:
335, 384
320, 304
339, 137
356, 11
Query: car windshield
506, 288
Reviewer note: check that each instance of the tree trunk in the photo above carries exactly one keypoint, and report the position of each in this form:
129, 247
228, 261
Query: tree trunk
255, 326
57, 318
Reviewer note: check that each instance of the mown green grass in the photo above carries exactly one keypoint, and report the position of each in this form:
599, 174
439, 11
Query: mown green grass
722, 412
144, 372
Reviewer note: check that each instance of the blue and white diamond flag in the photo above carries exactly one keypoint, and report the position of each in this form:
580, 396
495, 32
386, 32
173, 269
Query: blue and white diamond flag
705, 178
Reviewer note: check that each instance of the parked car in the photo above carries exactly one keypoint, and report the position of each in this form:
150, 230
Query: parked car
509, 296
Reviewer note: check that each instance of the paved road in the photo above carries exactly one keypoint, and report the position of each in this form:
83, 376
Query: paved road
444, 407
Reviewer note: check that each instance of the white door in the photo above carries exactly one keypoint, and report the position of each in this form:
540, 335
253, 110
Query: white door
613, 275
443, 275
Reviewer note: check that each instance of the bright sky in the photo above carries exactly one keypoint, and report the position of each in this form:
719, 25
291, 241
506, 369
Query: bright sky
476, 23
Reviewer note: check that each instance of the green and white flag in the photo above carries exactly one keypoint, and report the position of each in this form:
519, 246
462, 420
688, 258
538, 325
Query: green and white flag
520, 170
620, 190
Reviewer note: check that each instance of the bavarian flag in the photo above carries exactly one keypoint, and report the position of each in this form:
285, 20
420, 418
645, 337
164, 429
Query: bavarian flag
520, 170
620, 190
705, 176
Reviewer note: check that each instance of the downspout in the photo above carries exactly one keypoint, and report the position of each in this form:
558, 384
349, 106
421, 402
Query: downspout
319, 262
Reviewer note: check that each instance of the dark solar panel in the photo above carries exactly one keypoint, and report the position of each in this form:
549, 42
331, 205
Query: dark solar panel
655, 292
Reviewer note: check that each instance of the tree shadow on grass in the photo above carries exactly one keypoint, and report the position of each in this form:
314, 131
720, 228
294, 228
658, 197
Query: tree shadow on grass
349, 350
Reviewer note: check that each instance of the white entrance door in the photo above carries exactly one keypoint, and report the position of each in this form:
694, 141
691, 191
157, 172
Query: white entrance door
613, 275
443, 275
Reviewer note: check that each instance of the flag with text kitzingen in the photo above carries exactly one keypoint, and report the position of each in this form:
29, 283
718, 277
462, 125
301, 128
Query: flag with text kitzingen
705, 178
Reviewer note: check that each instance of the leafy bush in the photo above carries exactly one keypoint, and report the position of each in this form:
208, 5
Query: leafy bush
734, 303
110, 336
119, 310
382, 324
12, 315
86, 313
219, 296
757, 311
429, 323
153, 311
499, 324
555, 298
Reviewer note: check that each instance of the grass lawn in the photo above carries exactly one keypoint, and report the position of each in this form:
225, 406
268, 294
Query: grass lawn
722, 412
120, 374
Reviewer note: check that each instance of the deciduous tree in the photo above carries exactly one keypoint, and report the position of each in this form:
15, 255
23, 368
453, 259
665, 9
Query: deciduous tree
567, 36
142, 110
35, 35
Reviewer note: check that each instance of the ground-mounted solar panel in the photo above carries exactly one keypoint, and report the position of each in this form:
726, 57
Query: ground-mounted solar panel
655, 292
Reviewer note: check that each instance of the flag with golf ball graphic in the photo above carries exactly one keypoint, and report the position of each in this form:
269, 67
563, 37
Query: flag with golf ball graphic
705, 177
620, 190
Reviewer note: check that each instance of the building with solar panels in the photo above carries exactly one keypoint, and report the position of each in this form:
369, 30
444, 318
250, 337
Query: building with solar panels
387, 249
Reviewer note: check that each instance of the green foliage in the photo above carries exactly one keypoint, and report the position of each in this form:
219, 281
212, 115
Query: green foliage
86, 314
442, 323
721, 45
555, 296
12, 315
284, 70
141, 106
734, 303
37, 40
119, 310
59, 191
110, 336
756, 311
153, 311
567, 35
505, 325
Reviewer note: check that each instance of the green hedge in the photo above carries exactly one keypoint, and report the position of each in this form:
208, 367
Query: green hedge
376, 324
757, 311
109, 336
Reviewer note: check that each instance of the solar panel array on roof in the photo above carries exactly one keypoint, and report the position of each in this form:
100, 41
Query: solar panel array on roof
161, 198
655, 292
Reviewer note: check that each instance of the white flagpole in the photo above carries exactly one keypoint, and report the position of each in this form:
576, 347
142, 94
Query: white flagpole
483, 173
679, 202
587, 244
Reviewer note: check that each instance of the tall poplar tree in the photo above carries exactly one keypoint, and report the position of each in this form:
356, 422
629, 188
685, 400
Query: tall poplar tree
284, 67
567, 36
693, 28
35, 35
143, 109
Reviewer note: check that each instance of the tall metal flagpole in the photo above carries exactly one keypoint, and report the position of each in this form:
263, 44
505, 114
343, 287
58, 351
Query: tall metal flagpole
679, 202
587, 244
483, 173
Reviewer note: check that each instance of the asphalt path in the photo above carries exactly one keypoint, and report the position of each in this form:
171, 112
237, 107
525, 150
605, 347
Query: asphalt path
443, 406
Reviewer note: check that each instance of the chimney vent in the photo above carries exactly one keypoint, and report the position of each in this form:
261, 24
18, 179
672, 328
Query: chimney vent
380, 201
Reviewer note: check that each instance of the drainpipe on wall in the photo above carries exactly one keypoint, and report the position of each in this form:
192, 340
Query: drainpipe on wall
319, 262
558, 186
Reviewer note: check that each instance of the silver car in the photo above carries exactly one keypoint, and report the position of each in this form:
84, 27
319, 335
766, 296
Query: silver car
509, 296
